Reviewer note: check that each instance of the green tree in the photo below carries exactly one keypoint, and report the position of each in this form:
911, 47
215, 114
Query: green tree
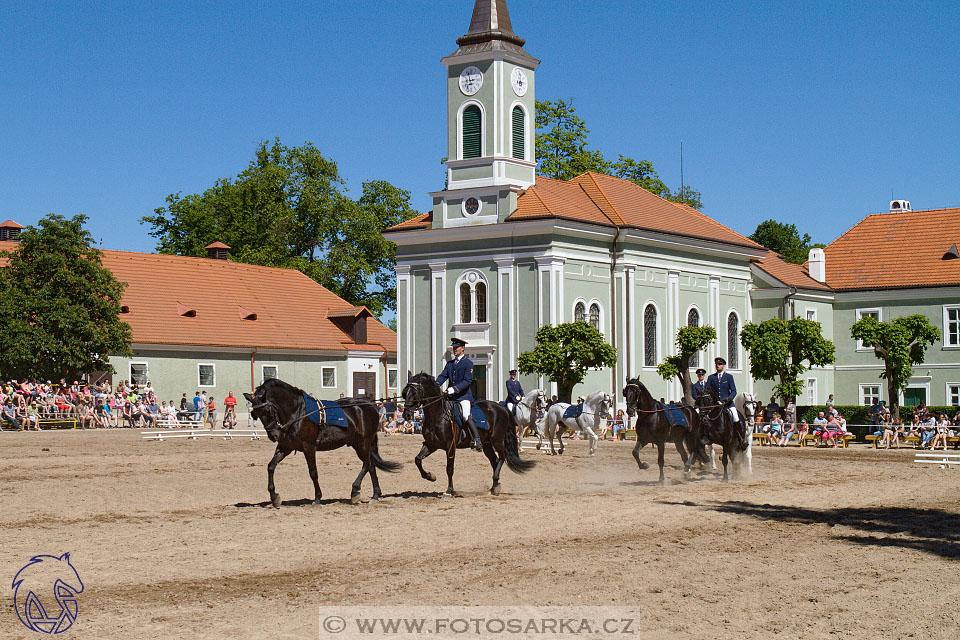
690, 340
58, 305
785, 240
778, 350
563, 154
565, 353
288, 209
900, 343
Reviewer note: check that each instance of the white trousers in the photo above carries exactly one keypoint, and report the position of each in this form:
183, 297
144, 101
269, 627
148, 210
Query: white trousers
464, 409
510, 406
733, 414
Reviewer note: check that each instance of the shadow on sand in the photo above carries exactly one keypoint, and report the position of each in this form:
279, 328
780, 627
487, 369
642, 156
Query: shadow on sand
929, 530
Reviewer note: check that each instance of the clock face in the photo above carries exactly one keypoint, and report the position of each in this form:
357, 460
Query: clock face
471, 79
471, 206
519, 81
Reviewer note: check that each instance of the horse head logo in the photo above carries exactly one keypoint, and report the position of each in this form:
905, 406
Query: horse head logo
45, 594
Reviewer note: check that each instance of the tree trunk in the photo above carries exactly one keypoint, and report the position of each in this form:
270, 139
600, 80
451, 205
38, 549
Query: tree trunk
893, 392
564, 391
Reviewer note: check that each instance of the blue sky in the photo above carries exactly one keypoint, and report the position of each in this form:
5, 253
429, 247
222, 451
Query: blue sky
808, 112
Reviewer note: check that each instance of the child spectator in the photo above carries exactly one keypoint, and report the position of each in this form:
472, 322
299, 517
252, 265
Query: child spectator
212, 413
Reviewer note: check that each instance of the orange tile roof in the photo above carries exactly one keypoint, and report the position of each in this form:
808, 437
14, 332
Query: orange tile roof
10, 224
290, 308
613, 202
892, 250
794, 275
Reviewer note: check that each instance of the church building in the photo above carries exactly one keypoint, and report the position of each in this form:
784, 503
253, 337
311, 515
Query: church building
504, 252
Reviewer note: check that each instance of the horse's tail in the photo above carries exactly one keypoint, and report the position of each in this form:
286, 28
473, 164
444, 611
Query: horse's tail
380, 463
514, 461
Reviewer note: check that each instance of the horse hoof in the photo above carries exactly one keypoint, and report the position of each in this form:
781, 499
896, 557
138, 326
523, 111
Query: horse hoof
495, 489
644, 465
538, 447
275, 501
355, 499
560, 452
315, 504
430, 477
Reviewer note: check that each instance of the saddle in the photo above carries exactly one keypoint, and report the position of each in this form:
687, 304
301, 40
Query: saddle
573, 411
327, 412
479, 418
674, 414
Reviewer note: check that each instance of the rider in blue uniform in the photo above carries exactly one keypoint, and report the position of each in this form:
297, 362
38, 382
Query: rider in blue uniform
514, 391
700, 386
459, 374
723, 387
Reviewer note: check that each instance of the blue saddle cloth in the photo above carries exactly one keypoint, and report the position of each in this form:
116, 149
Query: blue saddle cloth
674, 414
331, 414
478, 416
573, 411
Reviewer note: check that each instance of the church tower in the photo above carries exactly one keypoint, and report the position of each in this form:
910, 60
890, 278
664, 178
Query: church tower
490, 122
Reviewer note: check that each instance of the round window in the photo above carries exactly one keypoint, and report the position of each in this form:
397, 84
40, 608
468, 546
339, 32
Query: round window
471, 206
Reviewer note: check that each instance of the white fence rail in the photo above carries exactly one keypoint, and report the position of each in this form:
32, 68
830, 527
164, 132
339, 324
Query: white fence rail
193, 434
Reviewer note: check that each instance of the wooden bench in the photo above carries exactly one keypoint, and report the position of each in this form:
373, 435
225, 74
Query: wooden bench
818, 441
57, 423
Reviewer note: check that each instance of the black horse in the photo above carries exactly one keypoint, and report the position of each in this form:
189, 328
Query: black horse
440, 431
653, 427
717, 427
281, 409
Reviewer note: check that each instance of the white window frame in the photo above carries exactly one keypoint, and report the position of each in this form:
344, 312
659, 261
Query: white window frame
643, 335
860, 314
396, 373
600, 319
130, 370
947, 388
812, 399
810, 313
483, 129
264, 366
737, 345
703, 356
526, 130
586, 310
463, 279
207, 364
328, 386
863, 395
946, 324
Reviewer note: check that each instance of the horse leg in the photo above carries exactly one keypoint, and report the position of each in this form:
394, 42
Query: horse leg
278, 455
451, 457
424, 452
724, 459
683, 453
593, 438
560, 429
367, 467
311, 455
495, 462
713, 459
636, 455
660, 449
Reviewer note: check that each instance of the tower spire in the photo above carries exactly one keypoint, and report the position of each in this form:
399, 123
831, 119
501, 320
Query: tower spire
491, 21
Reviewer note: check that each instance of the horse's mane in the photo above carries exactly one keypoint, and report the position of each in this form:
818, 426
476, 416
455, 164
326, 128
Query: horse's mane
278, 384
427, 380
645, 396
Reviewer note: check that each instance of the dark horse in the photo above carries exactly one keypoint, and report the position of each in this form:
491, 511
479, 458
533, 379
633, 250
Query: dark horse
717, 427
282, 411
439, 429
653, 427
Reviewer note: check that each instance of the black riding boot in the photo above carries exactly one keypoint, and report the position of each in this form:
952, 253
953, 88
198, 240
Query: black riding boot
476, 435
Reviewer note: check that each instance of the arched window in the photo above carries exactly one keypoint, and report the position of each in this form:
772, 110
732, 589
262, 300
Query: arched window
650, 336
472, 287
519, 131
472, 125
693, 320
595, 316
481, 293
580, 312
733, 339
465, 303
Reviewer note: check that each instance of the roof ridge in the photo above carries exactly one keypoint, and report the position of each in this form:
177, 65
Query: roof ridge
620, 222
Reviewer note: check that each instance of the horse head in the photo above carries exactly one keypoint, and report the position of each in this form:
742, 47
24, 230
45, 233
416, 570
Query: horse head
631, 393
606, 405
264, 410
418, 390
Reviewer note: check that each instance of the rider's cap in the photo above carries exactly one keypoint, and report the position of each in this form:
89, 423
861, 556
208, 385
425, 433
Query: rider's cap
457, 342
719, 361
513, 372
701, 372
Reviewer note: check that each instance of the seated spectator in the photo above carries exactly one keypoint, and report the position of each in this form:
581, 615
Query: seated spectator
819, 423
9, 414
788, 430
33, 417
831, 431
100, 415
229, 410
776, 428
941, 432
85, 415
927, 431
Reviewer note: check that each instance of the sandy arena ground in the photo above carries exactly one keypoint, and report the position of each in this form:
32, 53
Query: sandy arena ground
173, 539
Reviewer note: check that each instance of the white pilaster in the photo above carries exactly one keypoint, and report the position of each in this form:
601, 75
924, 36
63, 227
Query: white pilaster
438, 312
630, 289
404, 324
714, 315
673, 322
505, 345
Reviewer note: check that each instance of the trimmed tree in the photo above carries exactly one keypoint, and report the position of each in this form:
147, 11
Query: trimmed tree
690, 340
779, 350
565, 353
900, 343
58, 305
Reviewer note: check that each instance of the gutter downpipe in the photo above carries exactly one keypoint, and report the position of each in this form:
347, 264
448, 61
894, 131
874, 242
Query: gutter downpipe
253, 385
613, 314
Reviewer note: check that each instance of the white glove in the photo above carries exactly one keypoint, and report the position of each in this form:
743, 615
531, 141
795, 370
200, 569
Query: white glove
451, 391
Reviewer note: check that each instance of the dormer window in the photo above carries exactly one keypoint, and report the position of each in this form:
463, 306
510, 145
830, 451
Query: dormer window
124, 309
186, 312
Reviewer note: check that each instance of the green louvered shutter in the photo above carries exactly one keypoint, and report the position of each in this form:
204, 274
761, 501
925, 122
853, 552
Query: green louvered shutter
519, 143
471, 132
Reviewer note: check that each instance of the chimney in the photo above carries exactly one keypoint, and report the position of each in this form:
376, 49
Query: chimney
10, 231
217, 251
817, 264
897, 206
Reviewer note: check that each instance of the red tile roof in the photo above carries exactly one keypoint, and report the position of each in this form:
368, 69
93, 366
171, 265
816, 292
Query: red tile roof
10, 224
604, 200
794, 275
290, 308
893, 250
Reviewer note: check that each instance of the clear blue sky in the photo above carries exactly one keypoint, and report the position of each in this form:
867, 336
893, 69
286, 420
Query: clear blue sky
804, 112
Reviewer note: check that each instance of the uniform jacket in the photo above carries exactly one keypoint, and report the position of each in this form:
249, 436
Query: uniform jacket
697, 389
460, 375
514, 391
723, 387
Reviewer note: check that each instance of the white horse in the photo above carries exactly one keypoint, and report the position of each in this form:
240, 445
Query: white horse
527, 411
748, 406
596, 408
